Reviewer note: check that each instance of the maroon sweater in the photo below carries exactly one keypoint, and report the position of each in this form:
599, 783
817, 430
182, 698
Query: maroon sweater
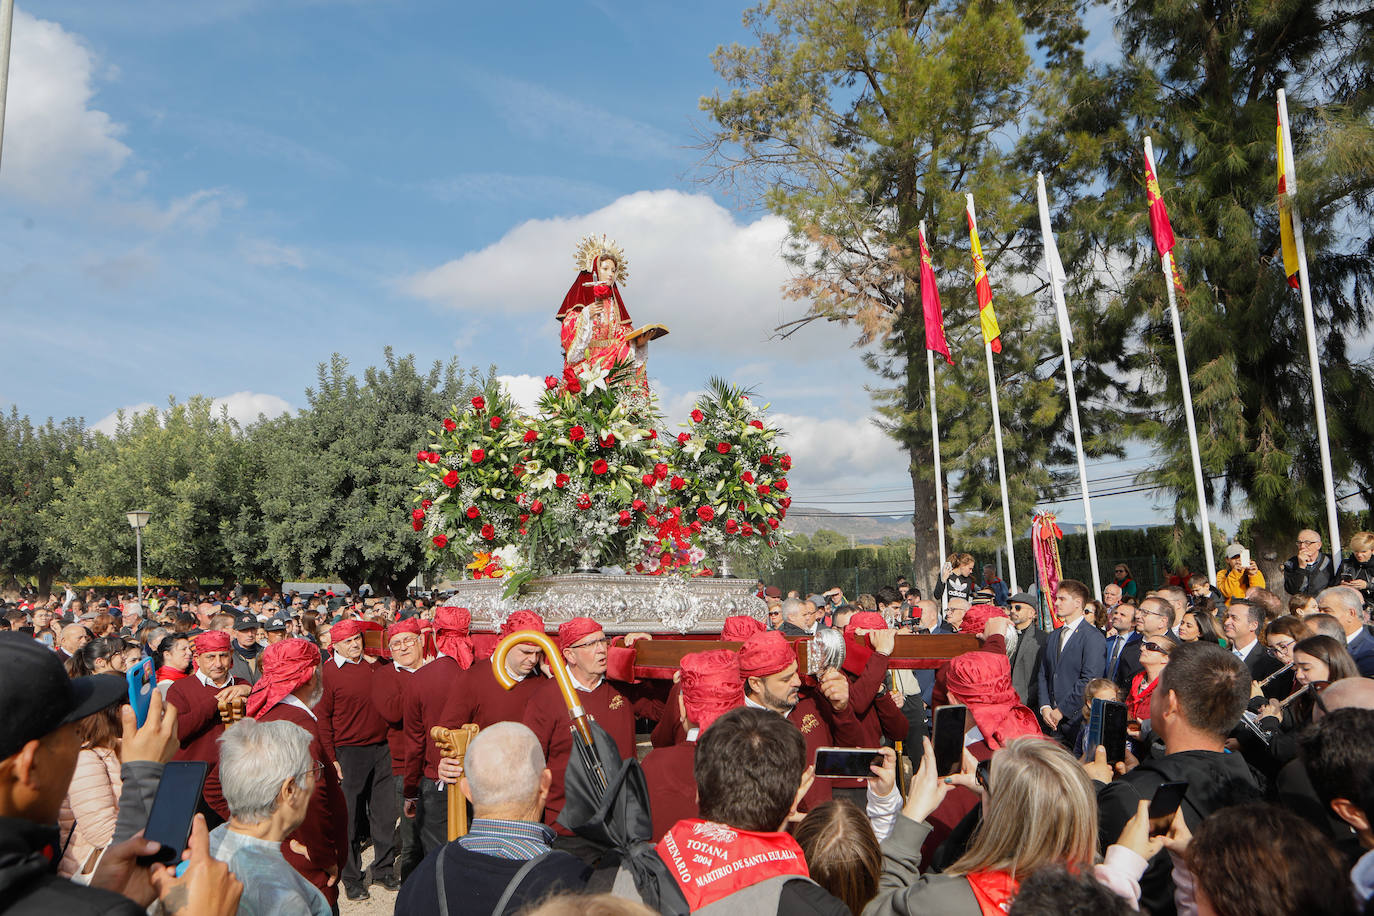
347, 716
672, 785
199, 728
388, 698
423, 702
324, 832
821, 726
476, 696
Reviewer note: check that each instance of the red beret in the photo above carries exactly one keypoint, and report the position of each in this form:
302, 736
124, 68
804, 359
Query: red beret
522, 620
711, 685
345, 629
212, 641
740, 628
977, 617
403, 626
772, 591
575, 630
765, 654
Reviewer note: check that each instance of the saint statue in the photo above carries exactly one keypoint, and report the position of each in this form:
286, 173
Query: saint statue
596, 328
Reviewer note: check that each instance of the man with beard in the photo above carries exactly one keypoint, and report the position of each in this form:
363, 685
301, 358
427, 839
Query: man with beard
246, 666
290, 686
1025, 643
199, 725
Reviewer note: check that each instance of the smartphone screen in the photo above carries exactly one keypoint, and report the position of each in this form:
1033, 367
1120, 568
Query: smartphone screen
948, 738
140, 678
840, 762
1094, 726
1165, 802
1245, 558
178, 794
1113, 735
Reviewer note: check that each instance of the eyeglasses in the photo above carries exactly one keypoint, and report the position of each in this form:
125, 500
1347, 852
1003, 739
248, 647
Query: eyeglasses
1280, 647
1155, 647
1307, 543
594, 644
314, 771
404, 642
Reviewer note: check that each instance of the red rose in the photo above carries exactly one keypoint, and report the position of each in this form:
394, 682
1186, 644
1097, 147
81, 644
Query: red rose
418, 515
723, 447
706, 513
577, 434
609, 441
524, 517
523, 531
478, 455
639, 505
625, 517
599, 466
550, 382
696, 527
740, 507
417, 524
473, 512
648, 480
434, 457
782, 513
764, 489
584, 501
747, 477
518, 470
651, 521
488, 532
731, 525
748, 530
780, 484
425, 504
757, 424
677, 483
537, 507
676, 512
574, 386
766, 460
451, 479
653, 434
787, 502
684, 437
422, 457
441, 540
495, 422
531, 435
786, 462
698, 416
479, 403
660, 470
601, 291
450, 424
773, 523
560, 481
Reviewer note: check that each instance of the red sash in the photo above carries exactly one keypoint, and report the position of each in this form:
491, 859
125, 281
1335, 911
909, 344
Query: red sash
166, 673
993, 890
711, 861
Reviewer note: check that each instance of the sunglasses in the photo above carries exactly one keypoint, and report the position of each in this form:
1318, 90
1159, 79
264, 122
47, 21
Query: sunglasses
1155, 647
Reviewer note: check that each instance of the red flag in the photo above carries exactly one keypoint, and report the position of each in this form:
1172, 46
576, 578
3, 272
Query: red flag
930, 304
1159, 220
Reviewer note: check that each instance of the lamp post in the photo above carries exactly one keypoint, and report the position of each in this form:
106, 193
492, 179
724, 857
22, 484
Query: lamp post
138, 519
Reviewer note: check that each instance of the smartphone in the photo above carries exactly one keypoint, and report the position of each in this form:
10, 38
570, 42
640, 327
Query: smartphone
1107, 727
1165, 802
1245, 558
169, 822
141, 686
846, 762
948, 738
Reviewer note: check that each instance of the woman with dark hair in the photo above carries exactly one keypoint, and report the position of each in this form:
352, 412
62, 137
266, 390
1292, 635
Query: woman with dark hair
1197, 625
102, 655
1321, 658
310, 628
87, 817
842, 852
172, 660
1317, 661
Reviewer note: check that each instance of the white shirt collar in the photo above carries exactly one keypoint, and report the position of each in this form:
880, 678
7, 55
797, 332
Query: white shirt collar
1354, 636
1070, 628
228, 679
748, 701
692, 734
340, 661
292, 700
578, 684
404, 668
1243, 654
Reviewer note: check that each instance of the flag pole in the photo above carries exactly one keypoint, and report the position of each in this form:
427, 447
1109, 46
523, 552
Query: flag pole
1166, 263
1056, 272
6, 31
935, 442
1318, 399
997, 434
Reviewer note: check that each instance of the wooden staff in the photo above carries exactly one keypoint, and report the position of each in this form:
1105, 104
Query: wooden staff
453, 744
230, 711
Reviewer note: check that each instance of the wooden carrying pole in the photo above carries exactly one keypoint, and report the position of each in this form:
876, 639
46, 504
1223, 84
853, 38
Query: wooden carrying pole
453, 744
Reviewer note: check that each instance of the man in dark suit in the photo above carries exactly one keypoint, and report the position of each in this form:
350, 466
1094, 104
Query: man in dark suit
1242, 623
1074, 654
1123, 642
1030, 645
1156, 617
1347, 606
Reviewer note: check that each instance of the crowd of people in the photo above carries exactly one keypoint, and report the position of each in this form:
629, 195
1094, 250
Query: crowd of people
314, 718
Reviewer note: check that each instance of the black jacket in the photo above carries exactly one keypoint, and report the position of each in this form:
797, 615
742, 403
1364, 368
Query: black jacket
1025, 665
1356, 570
1215, 781
475, 881
1308, 580
29, 883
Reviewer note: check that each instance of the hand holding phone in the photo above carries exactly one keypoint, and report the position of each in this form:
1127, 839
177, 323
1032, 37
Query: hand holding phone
1167, 799
847, 762
169, 821
1107, 724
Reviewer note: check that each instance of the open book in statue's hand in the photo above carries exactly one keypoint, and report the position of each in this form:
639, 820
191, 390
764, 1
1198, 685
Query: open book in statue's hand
645, 333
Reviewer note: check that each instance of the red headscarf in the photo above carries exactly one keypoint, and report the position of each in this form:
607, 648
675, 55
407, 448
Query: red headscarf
765, 654
711, 686
575, 630
210, 641
286, 666
739, 628
451, 626
977, 617
345, 629
856, 650
413, 625
982, 681
522, 620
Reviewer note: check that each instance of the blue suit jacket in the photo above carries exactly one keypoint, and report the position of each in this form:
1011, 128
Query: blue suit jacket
1362, 650
1066, 670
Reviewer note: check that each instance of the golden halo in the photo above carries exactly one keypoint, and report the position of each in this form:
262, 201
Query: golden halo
590, 250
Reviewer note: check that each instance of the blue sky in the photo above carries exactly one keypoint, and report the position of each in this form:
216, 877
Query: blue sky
213, 197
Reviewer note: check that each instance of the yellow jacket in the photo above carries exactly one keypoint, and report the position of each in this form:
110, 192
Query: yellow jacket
1233, 583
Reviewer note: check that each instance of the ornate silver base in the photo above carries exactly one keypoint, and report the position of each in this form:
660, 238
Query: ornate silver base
623, 604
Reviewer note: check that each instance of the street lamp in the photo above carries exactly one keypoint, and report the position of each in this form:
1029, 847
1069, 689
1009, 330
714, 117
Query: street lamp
138, 519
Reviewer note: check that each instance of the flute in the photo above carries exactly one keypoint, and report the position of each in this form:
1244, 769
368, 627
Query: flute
1286, 667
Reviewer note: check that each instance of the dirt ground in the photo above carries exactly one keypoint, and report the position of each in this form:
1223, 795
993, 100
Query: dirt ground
381, 902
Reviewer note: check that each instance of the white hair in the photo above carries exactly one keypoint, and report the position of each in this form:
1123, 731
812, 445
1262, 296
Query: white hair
255, 759
503, 766
1352, 599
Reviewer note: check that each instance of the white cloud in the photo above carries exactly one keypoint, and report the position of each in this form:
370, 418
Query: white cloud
715, 282
243, 407
108, 423
826, 449
525, 390
57, 148
263, 253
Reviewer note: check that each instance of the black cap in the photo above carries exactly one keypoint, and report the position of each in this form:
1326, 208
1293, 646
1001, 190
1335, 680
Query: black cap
39, 698
276, 625
245, 622
1022, 598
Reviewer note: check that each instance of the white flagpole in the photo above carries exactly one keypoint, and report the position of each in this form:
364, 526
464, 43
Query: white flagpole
935, 441
997, 434
1056, 271
1166, 263
1318, 399
6, 30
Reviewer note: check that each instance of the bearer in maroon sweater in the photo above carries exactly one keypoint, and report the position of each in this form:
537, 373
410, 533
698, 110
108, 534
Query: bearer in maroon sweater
710, 686
351, 726
287, 691
669, 731
405, 641
198, 721
479, 698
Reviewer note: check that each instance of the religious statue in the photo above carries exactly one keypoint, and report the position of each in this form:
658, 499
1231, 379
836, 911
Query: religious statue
596, 328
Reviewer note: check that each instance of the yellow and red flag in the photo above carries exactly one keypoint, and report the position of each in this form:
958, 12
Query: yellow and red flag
1286, 240
992, 334
930, 304
1160, 227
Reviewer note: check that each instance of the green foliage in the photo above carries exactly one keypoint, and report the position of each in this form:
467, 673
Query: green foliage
35, 464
